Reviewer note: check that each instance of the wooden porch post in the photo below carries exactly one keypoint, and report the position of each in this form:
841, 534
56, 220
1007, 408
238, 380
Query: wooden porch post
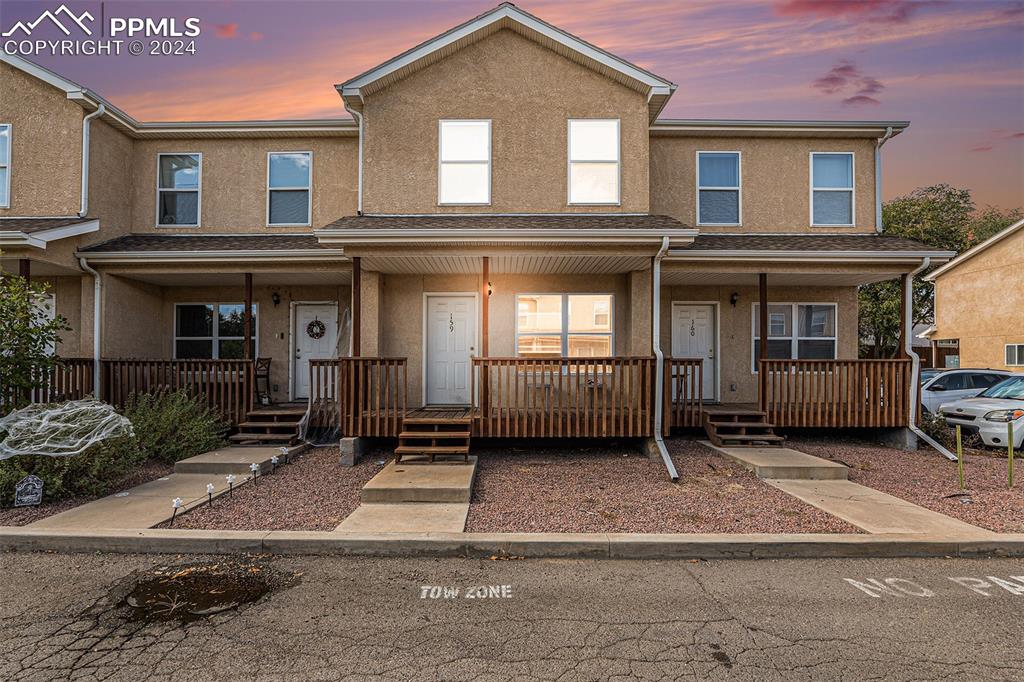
25, 268
247, 316
901, 352
762, 297
356, 291
485, 333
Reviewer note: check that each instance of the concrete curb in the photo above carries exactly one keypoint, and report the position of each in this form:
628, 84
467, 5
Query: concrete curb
534, 545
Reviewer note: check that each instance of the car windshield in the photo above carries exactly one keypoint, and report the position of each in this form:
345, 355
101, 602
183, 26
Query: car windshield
1008, 389
927, 374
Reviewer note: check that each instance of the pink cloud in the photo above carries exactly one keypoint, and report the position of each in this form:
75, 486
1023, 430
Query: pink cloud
256, 36
873, 11
226, 30
1016, 136
982, 149
860, 100
846, 78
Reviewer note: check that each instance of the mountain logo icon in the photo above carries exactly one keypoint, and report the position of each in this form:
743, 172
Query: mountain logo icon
53, 17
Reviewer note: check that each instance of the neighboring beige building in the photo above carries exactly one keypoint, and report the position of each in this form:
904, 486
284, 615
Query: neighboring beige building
979, 302
503, 193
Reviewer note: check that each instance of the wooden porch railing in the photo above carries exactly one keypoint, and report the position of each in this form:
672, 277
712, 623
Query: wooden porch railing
835, 393
70, 380
565, 397
225, 385
358, 396
684, 397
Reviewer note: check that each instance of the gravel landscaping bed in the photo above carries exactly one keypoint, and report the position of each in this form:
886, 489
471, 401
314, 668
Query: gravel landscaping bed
928, 479
22, 516
313, 493
612, 488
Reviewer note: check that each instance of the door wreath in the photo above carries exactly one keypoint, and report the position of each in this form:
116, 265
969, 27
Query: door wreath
316, 329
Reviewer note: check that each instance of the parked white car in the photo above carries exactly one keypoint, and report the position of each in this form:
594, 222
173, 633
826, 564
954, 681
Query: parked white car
955, 384
989, 413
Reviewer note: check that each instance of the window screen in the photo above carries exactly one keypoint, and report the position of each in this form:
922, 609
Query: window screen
832, 189
718, 188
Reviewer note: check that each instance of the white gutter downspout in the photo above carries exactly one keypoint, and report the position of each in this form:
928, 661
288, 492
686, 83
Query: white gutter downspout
100, 110
359, 182
915, 372
659, 360
97, 310
878, 178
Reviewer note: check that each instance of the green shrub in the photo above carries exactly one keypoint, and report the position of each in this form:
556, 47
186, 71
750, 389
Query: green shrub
171, 426
936, 427
96, 472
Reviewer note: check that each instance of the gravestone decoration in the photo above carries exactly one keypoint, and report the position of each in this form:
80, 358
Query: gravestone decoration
28, 492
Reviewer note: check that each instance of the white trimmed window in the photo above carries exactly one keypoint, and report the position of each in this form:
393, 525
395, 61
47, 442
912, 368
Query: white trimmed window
464, 163
212, 331
1015, 354
718, 188
289, 188
798, 331
179, 186
594, 161
564, 325
832, 196
5, 165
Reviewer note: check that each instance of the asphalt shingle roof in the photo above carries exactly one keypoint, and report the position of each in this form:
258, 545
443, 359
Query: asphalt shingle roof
809, 242
179, 242
30, 225
581, 221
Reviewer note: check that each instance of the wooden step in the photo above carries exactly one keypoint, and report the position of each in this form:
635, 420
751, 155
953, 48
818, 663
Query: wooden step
432, 450
273, 425
275, 437
421, 435
741, 425
277, 412
437, 421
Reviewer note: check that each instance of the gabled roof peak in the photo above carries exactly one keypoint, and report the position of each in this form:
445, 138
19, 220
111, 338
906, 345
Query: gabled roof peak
508, 16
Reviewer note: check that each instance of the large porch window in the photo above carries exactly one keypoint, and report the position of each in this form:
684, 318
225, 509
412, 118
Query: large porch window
212, 331
801, 331
565, 325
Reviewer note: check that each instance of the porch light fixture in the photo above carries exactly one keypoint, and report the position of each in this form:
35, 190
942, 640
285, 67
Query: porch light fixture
734, 298
490, 289
275, 298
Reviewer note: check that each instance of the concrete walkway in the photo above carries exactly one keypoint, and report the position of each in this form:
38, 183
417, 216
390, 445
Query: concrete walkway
407, 517
149, 504
782, 463
874, 511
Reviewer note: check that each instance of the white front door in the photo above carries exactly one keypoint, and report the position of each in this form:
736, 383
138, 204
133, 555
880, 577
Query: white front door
693, 336
316, 338
451, 334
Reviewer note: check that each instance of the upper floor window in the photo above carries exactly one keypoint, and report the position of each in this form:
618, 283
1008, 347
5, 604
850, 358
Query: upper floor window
179, 184
718, 188
832, 199
289, 184
464, 160
5, 165
594, 161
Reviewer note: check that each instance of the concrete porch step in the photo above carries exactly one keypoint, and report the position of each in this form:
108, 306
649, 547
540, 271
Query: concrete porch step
233, 460
411, 483
406, 518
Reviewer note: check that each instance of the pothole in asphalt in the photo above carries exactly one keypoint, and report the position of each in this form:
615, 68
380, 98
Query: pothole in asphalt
191, 592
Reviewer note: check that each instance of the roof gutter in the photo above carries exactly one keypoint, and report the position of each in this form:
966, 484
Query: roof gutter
388, 236
101, 108
915, 371
330, 255
659, 360
878, 177
827, 256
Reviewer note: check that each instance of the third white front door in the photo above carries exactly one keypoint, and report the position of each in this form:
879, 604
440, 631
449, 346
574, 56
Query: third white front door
316, 338
451, 337
693, 336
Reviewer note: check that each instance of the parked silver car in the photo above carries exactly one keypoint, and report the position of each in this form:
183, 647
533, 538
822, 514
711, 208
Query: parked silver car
954, 384
990, 413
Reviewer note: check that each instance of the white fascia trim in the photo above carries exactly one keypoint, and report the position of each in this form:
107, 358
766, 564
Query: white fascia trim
623, 236
56, 233
223, 256
20, 239
352, 87
975, 250
821, 256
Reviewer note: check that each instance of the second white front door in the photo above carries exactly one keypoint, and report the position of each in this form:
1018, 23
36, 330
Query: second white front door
451, 337
693, 336
316, 338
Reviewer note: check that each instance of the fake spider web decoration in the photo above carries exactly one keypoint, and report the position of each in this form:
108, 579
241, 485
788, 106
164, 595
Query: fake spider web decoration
62, 430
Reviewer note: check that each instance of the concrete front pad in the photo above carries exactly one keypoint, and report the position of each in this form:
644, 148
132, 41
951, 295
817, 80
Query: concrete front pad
421, 483
142, 507
408, 517
783, 463
876, 512
232, 460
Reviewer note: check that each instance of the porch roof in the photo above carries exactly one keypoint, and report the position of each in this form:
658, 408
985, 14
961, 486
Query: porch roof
806, 246
38, 232
175, 247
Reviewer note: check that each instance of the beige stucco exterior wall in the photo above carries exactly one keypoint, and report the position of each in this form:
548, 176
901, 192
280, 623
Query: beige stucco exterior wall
46, 146
131, 319
111, 176
979, 303
737, 381
529, 93
775, 181
234, 182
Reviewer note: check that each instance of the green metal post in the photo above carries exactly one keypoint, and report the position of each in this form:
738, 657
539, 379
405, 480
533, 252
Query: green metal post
960, 457
1009, 449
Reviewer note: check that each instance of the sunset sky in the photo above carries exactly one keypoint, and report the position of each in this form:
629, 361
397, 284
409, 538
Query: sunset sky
955, 68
